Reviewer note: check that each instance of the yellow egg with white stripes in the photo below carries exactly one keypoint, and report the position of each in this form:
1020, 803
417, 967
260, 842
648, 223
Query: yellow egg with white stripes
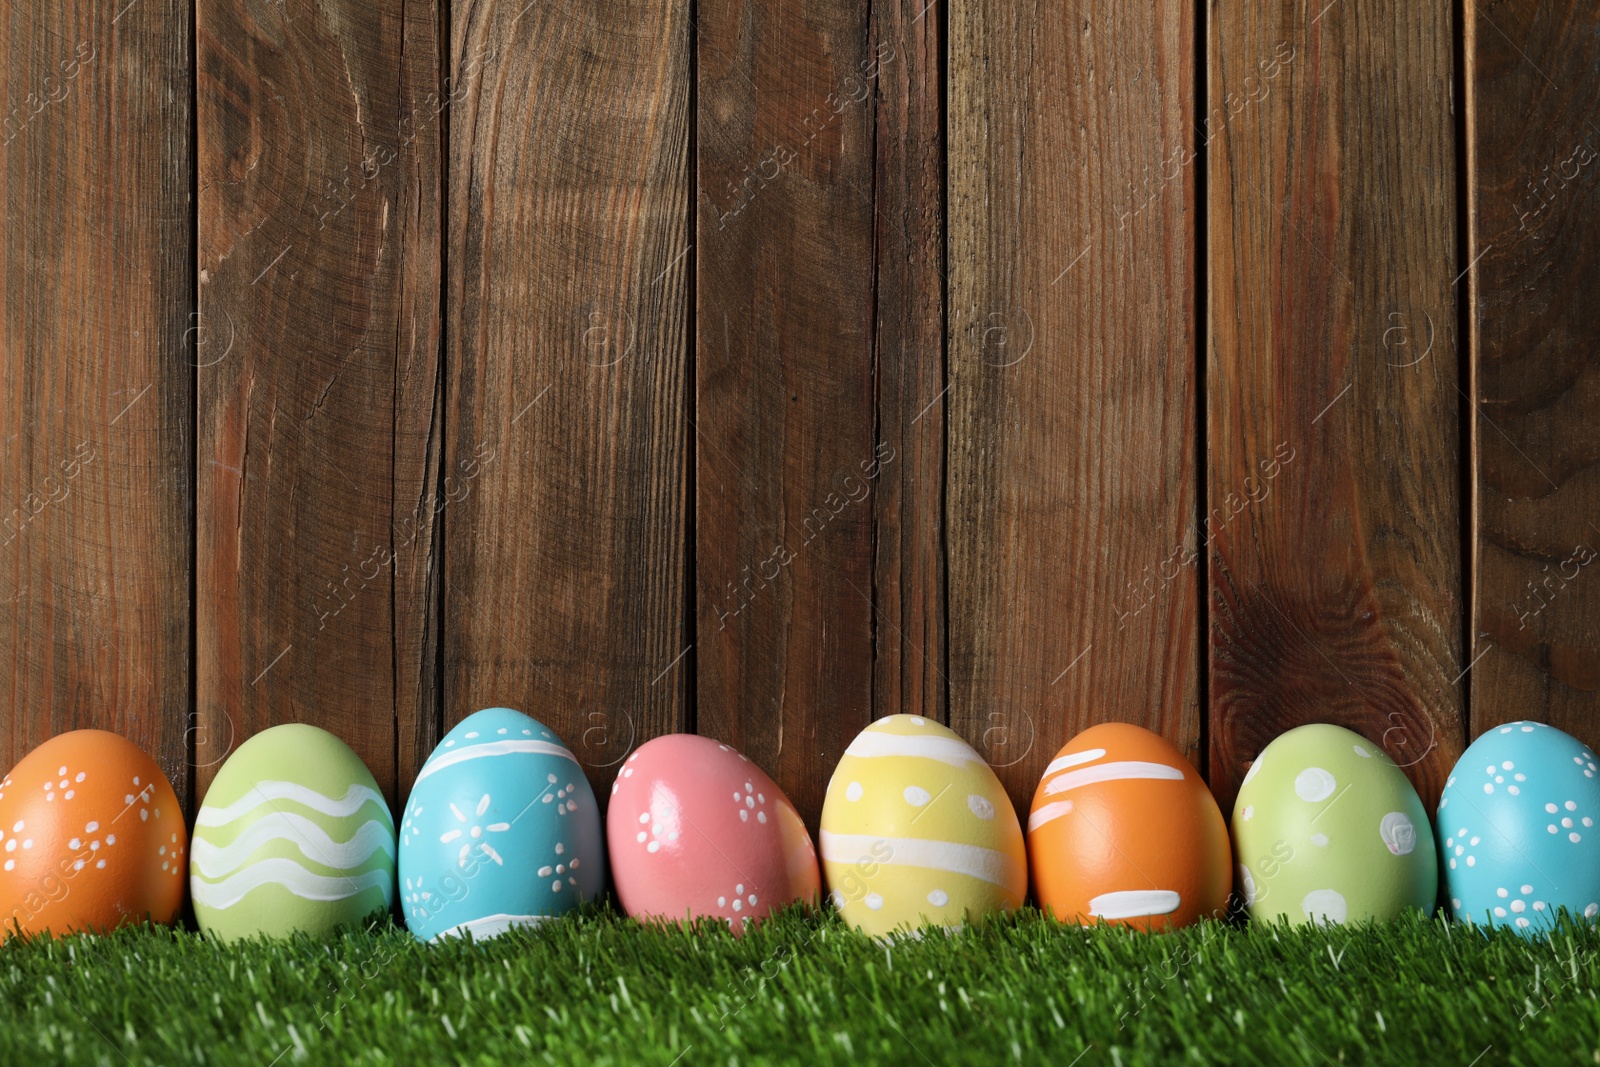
917, 830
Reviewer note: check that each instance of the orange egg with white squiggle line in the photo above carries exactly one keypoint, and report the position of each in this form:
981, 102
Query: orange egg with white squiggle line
1123, 830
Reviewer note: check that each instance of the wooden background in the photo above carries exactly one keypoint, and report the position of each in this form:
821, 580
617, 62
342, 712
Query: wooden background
761, 368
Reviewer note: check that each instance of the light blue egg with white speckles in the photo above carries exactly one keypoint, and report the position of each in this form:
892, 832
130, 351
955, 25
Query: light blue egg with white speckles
501, 830
1519, 829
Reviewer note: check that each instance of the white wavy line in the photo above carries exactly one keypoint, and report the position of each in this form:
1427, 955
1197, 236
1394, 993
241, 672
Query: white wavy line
293, 877
1073, 759
315, 843
267, 792
985, 864
489, 926
1048, 813
1133, 903
440, 760
952, 750
1108, 772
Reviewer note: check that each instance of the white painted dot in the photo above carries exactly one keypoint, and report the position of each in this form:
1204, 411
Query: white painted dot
1499, 913
1551, 808
1567, 823
92, 827
1502, 893
644, 816
11, 864
873, 901
761, 817
1507, 765
1519, 776
1314, 784
1320, 840
1513, 790
545, 871
1551, 828
1519, 906
100, 864
1591, 911
738, 905
853, 791
1570, 806
722, 902
1472, 861
1362, 751
654, 846
1249, 812
980, 806
1488, 787
918, 720
1574, 837
555, 886
917, 796
643, 835
1325, 905
1398, 833
744, 815
1522, 923
1538, 905
1452, 863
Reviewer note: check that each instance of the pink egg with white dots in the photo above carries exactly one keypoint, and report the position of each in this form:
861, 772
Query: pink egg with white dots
695, 829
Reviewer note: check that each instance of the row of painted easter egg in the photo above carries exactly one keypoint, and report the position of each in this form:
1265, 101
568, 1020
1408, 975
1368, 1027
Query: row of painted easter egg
501, 829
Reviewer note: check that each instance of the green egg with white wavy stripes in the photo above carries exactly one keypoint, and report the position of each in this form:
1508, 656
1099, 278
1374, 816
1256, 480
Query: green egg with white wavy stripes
1327, 829
293, 835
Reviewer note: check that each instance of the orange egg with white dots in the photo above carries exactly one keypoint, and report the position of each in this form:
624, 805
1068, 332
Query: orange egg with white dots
91, 837
1123, 830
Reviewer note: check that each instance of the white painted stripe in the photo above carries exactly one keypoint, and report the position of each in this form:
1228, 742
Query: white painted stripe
1048, 813
1108, 772
1133, 903
270, 792
315, 843
952, 750
986, 864
489, 926
293, 877
440, 760
1073, 759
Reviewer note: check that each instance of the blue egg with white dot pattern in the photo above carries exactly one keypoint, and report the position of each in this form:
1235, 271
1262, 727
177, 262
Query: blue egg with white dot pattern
501, 830
1518, 839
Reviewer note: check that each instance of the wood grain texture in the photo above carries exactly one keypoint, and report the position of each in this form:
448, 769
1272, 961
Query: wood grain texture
1334, 477
1072, 388
1534, 135
569, 268
785, 453
319, 243
908, 199
95, 443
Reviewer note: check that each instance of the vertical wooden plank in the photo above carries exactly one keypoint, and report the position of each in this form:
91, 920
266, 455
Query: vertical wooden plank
1534, 134
785, 450
1072, 387
1332, 390
95, 400
569, 264
908, 496
319, 273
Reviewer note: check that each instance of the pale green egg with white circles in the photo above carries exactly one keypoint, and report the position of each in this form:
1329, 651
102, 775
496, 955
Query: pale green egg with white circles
293, 835
1328, 829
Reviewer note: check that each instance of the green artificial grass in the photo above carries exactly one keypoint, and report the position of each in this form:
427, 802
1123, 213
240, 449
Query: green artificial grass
599, 988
